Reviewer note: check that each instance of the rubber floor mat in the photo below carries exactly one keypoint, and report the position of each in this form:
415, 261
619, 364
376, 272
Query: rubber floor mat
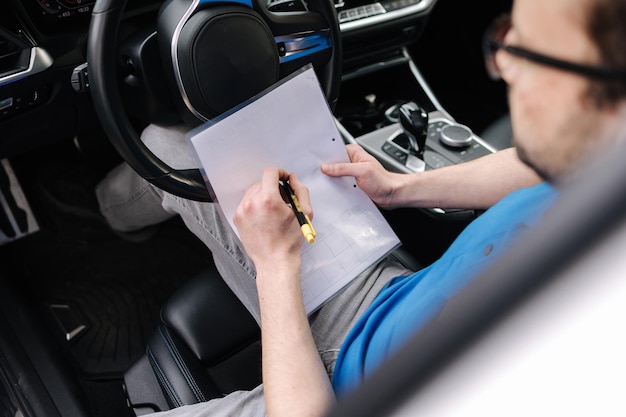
102, 295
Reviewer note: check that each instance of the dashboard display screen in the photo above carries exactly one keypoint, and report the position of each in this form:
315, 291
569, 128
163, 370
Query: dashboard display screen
62, 16
65, 8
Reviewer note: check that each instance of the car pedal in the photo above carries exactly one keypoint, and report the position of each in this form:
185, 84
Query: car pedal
16, 216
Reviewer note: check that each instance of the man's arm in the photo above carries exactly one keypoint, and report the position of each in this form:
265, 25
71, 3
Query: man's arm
476, 184
294, 377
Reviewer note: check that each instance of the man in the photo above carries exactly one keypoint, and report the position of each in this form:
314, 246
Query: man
564, 63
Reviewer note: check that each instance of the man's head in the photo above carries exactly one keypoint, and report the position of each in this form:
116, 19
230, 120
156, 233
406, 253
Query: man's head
567, 98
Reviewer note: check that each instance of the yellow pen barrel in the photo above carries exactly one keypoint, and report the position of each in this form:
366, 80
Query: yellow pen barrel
308, 231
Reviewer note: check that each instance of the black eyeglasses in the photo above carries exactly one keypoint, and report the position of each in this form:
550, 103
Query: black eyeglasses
493, 42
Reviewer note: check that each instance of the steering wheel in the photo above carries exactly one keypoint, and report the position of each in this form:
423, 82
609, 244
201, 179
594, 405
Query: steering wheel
212, 55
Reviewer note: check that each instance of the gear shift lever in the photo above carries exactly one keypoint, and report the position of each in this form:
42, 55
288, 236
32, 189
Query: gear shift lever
414, 121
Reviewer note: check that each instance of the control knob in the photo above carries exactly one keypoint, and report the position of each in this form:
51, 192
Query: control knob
456, 135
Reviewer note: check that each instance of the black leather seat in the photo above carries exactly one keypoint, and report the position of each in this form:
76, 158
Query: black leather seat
206, 346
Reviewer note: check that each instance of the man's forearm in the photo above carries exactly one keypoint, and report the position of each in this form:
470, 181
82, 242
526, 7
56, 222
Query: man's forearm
295, 380
475, 184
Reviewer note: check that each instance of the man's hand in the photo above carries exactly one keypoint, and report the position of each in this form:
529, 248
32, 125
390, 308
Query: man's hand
267, 226
479, 183
370, 175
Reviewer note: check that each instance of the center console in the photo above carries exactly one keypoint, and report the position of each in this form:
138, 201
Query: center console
368, 114
374, 123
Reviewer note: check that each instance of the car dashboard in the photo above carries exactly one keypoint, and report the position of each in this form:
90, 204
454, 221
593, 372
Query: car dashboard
42, 42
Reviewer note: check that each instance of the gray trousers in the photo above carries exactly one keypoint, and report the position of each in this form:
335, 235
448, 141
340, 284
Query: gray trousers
129, 202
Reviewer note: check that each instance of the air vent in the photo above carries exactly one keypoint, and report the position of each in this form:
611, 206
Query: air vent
18, 58
13, 58
14, 54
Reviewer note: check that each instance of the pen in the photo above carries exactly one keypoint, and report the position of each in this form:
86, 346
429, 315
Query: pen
303, 219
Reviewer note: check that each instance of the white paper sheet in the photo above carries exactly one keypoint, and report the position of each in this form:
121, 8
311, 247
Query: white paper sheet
292, 127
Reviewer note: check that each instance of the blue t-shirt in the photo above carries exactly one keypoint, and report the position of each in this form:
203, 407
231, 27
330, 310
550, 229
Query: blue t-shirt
405, 304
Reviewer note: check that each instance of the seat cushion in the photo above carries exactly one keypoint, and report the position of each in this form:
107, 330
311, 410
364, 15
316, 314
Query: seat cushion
209, 318
206, 346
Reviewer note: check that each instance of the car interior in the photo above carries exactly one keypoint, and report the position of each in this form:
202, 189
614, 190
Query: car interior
88, 316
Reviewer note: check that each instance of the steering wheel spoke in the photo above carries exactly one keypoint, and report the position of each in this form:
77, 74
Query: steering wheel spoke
303, 46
